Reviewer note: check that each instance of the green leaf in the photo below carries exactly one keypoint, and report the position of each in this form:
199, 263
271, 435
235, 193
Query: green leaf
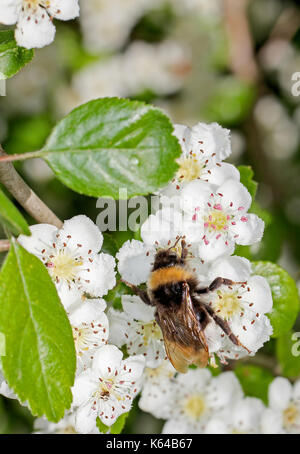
109, 244
12, 57
230, 103
285, 296
254, 380
113, 143
102, 427
116, 428
288, 354
247, 173
11, 217
40, 356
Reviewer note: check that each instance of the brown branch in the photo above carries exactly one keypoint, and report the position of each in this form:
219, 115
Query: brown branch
242, 59
286, 25
25, 195
18, 157
4, 245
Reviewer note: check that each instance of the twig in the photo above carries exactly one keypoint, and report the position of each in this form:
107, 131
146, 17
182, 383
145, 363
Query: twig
242, 58
19, 157
286, 25
4, 245
25, 195
244, 65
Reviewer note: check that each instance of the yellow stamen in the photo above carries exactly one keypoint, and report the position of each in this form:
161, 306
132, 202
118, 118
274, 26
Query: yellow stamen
227, 304
194, 407
189, 169
216, 220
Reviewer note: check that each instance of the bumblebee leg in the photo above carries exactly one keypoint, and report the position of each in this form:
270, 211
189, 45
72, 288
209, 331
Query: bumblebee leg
141, 293
216, 283
224, 327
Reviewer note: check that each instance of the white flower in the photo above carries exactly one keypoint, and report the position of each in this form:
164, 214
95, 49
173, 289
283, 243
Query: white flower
106, 25
243, 306
195, 397
135, 259
168, 224
34, 19
136, 327
71, 257
203, 146
242, 417
65, 426
160, 68
222, 212
155, 384
107, 389
90, 329
283, 414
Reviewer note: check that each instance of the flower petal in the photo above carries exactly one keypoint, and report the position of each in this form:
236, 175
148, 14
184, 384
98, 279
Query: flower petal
280, 393
135, 261
246, 415
82, 235
271, 422
84, 386
260, 294
136, 309
134, 368
85, 419
214, 138
235, 195
209, 251
99, 276
249, 228
34, 28
42, 237
107, 360
234, 268
219, 174
223, 390
253, 330
10, 10
66, 10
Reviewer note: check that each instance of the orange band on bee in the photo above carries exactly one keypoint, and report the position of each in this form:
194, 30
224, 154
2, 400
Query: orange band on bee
165, 276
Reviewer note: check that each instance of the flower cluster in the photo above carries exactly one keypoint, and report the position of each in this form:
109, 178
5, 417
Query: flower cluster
208, 206
33, 19
105, 384
113, 21
202, 404
143, 67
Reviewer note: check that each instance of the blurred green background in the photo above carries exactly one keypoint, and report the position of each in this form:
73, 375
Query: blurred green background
233, 64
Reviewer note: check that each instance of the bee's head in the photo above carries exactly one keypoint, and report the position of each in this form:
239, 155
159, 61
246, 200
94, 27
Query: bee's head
166, 258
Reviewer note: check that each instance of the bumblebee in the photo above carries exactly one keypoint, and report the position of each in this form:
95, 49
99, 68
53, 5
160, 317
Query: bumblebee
175, 292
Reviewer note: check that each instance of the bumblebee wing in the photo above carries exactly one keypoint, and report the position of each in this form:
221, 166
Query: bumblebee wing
182, 356
184, 338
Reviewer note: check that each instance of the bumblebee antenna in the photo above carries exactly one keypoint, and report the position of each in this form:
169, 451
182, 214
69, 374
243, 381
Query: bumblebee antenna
175, 244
